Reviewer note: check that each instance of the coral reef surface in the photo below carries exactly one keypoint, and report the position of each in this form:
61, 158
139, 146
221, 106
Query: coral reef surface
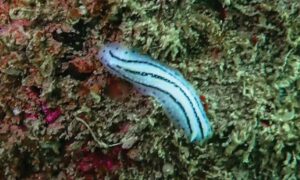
63, 116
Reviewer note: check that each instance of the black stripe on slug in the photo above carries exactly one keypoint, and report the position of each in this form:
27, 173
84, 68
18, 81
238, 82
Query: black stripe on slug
136, 61
158, 89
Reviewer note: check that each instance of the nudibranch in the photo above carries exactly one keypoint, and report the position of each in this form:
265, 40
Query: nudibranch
168, 86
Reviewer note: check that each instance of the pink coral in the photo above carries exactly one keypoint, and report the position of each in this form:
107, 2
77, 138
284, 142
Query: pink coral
51, 114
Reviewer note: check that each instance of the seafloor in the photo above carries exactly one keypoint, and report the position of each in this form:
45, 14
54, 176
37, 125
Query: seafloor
63, 116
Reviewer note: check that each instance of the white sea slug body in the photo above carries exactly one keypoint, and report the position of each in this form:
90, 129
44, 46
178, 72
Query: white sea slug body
178, 98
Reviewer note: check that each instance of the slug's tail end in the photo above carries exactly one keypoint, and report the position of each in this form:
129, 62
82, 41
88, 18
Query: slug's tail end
194, 137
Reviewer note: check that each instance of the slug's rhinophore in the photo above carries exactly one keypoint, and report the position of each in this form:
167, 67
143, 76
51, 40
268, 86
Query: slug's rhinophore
177, 96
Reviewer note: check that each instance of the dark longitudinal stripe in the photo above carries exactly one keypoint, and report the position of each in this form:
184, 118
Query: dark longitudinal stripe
135, 61
164, 79
158, 89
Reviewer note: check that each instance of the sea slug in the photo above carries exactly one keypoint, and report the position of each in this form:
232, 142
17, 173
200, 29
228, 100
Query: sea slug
178, 98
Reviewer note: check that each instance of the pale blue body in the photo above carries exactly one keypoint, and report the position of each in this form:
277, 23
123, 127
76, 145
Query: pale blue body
177, 96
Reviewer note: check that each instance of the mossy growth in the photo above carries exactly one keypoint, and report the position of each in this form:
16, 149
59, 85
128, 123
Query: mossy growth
242, 56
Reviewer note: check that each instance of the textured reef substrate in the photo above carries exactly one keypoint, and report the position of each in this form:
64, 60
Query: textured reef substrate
62, 115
